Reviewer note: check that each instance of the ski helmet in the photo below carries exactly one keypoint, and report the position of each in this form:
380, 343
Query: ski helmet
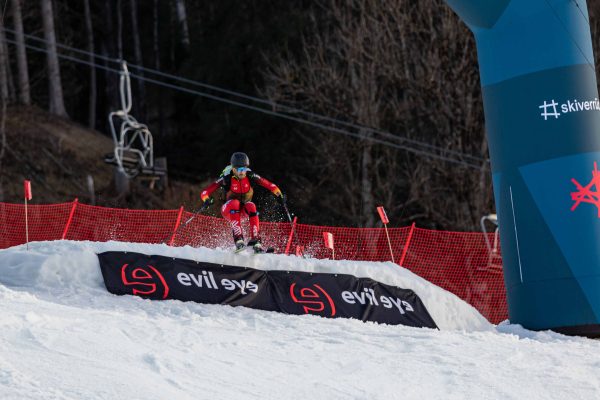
240, 160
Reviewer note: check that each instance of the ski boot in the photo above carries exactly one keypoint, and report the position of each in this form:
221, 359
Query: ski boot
239, 244
256, 246
259, 248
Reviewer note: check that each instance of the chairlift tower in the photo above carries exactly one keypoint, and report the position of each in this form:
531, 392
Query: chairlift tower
494, 257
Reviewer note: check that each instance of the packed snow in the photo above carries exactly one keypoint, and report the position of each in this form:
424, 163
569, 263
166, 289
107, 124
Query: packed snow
63, 336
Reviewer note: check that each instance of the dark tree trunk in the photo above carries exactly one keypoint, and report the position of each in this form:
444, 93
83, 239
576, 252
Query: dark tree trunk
23, 73
161, 113
368, 201
119, 31
137, 51
108, 51
90, 39
182, 23
57, 105
3, 101
10, 82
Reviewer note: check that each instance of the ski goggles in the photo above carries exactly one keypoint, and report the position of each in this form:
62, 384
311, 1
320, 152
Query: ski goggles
242, 169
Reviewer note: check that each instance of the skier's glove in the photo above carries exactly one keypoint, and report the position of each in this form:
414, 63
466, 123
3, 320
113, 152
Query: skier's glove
206, 203
277, 193
204, 196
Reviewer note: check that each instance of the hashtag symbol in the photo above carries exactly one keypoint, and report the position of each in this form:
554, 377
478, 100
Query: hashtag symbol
553, 113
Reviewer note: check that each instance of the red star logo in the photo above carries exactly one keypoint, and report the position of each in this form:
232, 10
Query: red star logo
586, 194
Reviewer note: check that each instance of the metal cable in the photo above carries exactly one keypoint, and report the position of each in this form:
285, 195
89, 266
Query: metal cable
474, 162
271, 104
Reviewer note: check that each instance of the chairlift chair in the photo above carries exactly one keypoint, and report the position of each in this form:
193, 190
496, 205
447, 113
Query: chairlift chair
134, 149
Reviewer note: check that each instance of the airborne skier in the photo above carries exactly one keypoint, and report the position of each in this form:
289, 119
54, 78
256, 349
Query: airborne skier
237, 181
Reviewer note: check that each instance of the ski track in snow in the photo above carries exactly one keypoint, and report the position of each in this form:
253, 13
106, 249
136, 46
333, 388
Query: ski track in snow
63, 336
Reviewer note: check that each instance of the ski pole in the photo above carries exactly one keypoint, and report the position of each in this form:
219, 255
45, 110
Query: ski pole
190, 219
194, 215
285, 208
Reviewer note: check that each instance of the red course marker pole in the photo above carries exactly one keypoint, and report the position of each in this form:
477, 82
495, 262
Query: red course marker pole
27, 192
328, 239
412, 228
73, 208
386, 221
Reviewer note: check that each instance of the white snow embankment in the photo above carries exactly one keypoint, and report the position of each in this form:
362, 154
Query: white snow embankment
64, 337
71, 269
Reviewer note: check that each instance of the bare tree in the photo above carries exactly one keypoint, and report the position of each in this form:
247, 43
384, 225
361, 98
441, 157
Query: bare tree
444, 93
399, 66
119, 30
89, 30
183, 24
3, 102
108, 50
12, 91
337, 76
155, 37
23, 73
57, 105
156, 48
137, 51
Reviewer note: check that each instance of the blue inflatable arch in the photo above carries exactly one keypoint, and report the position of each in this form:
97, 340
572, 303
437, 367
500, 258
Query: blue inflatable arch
542, 119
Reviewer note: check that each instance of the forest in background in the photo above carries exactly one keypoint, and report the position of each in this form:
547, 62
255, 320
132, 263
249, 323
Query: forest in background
377, 103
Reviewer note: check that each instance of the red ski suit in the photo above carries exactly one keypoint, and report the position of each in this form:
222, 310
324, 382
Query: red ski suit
238, 194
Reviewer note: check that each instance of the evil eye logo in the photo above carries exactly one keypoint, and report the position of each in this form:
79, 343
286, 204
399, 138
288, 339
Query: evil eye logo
145, 281
314, 300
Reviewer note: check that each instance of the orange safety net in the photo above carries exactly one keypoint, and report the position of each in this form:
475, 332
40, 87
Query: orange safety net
460, 262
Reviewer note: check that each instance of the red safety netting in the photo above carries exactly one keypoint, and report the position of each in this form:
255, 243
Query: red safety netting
463, 266
101, 224
460, 262
45, 223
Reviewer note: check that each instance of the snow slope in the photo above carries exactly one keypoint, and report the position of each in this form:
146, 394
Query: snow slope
63, 336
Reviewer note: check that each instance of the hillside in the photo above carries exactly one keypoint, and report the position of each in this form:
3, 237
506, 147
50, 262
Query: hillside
58, 155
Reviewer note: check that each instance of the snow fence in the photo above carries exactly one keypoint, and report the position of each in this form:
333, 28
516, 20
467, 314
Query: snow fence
459, 262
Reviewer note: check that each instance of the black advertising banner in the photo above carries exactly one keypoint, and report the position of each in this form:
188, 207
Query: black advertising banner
290, 292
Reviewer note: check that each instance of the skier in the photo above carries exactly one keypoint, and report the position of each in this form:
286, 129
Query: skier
237, 181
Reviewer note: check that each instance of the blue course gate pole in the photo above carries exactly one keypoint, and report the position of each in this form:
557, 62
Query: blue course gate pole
543, 127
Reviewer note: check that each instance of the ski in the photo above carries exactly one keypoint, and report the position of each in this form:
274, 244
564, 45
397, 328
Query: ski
268, 250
